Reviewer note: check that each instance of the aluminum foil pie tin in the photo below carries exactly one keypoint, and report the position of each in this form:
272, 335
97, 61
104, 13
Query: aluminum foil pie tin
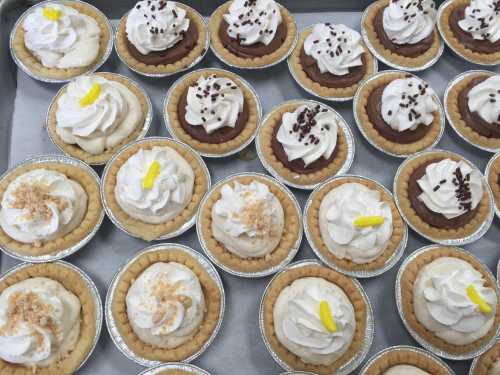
147, 119
483, 228
177, 366
110, 320
450, 86
160, 75
386, 61
216, 261
60, 159
367, 341
487, 173
475, 362
442, 121
105, 173
92, 68
404, 348
94, 292
171, 90
297, 373
341, 123
394, 258
439, 15
425, 344
312, 92
284, 57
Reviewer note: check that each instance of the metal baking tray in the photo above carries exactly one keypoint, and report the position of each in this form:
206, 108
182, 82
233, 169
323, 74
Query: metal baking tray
23, 107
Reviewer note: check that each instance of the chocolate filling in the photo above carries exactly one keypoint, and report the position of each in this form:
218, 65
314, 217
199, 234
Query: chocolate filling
432, 218
198, 132
374, 110
327, 79
481, 46
407, 50
170, 55
255, 50
472, 119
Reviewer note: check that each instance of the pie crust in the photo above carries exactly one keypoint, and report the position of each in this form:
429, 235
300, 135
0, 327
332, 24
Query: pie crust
493, 180
75, 150
486, 360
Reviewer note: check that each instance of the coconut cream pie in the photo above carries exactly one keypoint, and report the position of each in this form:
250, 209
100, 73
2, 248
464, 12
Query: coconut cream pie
214, 111
93, 116
252, 33
154, 187
403, 32
472, 28
399, 113
473, 107
250, 223
61, 40
47, 320
354, 223
303, 142
450, 300
161, 37
488, 363
331, 60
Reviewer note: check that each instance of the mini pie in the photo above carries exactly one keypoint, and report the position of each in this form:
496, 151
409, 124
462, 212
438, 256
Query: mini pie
473, 48
72, 281
179, 54
227, 132
213, 301
289, 236
296, 171
78, 152
488, 362
371, 119
152, 230
494, 180
346, 284
316, 237
90, 220
470, 124
410, 278
33, 63
323, 82
461, 226
409, 55
258, 54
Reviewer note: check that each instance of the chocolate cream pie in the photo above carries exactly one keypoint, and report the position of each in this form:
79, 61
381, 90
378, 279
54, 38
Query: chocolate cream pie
403, 32
252, 33
161, 37
399, 113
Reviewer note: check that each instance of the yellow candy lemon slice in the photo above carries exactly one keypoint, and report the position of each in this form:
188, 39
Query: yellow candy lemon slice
92, 95
474, 296
326, 316
368, 221
153, 172
51, 14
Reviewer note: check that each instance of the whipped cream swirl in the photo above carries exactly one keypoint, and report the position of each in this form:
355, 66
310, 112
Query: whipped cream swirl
248, 219
337, 213
101, 125
450, 188
298, 325
409, 21
484, 98
253, 21
171, 191
407, 103
42, 205
165, 305
482, 20
405, 370
336, 48
39, 322
308, 133
70, 41
156, 25
214, 102
442, 304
